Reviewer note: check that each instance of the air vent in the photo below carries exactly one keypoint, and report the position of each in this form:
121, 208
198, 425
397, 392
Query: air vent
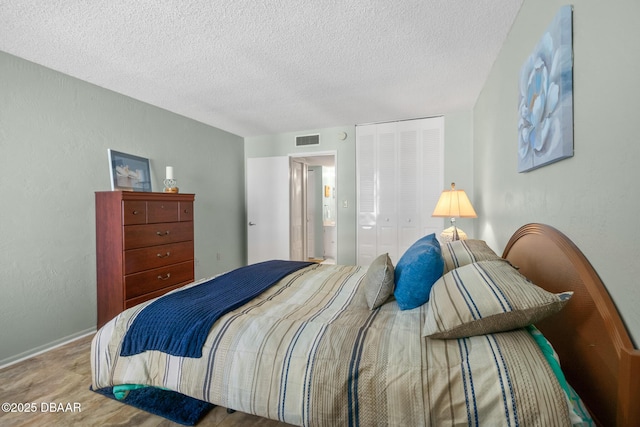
304, 140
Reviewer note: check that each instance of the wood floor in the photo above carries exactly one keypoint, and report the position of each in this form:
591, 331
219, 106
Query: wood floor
57, 382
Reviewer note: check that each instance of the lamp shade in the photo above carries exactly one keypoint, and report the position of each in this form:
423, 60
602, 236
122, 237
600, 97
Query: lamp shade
455, 204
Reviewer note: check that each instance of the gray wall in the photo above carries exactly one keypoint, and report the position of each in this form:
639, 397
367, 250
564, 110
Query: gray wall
591, 197
458, 162
54, 134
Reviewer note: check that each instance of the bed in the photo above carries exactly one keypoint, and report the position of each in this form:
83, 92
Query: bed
588, 334
323, 346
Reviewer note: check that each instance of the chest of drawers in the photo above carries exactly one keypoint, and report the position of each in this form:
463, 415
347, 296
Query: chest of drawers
144, 247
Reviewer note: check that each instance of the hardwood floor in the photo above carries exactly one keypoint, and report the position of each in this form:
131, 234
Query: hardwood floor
57, 382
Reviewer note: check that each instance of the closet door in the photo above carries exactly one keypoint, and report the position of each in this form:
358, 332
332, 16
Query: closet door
409, 185
387, 167
421, 178
366, 233
400, 169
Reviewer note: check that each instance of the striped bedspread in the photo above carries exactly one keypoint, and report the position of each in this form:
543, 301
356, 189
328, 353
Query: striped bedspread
308, 351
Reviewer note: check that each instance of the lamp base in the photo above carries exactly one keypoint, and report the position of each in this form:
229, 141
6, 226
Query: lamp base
449, 234
170, 186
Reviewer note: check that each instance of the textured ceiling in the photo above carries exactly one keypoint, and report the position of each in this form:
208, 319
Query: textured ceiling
254, 67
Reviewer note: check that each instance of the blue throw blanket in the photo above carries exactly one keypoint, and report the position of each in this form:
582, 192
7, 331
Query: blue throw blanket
179, 323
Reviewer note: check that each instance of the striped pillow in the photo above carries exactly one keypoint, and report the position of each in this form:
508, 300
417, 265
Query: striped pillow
486, 297
463, 252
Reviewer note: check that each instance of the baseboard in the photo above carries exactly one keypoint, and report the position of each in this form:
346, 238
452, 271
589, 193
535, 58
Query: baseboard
44, 348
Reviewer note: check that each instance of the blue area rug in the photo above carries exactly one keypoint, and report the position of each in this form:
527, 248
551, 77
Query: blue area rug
169, 404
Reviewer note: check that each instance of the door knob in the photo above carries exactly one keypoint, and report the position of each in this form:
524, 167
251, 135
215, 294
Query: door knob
251, 223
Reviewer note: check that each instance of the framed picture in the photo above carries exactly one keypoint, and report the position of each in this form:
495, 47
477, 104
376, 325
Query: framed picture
545, 126
129, 172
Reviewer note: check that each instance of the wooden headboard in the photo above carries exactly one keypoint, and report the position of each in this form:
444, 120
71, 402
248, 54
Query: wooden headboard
595, 350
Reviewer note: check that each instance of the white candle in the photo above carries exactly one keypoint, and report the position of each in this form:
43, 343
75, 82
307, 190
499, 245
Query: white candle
169, 172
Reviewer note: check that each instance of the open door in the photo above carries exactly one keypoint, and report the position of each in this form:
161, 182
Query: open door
298, 218
267, 209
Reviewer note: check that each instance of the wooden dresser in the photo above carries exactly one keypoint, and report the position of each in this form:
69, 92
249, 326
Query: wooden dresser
144, 247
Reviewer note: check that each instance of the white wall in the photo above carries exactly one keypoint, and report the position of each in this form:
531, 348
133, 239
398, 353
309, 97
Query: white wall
54, 134
591, 197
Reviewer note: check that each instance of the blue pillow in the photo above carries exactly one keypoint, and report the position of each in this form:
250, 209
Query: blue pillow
417, 270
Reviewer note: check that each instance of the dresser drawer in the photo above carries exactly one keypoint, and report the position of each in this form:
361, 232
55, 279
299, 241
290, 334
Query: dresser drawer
157, 256
134, 212
162, 211
159, 278
186, 211
140, 236
146, 297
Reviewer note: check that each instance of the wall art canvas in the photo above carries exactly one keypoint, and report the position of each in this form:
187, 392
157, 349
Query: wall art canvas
545, 126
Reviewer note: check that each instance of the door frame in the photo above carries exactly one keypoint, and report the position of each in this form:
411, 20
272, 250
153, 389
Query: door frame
305, 155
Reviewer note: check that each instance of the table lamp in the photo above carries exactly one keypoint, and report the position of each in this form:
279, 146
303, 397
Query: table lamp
453, 204
170, 182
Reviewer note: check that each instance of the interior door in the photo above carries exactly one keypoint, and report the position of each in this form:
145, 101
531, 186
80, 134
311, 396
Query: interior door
267, 208
311, 213
298, 217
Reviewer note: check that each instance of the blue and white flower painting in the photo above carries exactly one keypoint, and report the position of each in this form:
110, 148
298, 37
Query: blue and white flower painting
545, 126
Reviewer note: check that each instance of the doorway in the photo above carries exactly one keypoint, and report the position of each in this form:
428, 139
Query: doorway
313, 221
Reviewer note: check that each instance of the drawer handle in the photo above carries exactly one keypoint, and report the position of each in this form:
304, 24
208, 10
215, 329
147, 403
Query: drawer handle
160, 233
136, 212
164, 256
165, 277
